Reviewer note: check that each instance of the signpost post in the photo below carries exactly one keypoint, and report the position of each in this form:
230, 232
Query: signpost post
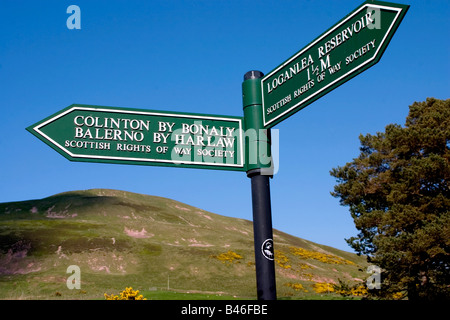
160, 138
258, 147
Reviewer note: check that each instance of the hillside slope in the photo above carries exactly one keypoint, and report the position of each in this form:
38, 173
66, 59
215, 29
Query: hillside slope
121, 239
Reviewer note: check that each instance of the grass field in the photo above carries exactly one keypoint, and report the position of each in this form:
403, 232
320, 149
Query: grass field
120, 239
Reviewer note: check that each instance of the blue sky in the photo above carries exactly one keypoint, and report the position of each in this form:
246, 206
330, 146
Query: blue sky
190, 56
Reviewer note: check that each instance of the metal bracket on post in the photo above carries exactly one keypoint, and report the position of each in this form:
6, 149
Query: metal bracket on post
259, 170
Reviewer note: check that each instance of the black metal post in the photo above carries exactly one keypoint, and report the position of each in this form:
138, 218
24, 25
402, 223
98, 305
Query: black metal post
263, 238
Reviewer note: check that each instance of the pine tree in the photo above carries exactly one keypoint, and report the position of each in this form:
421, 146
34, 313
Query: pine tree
398, 193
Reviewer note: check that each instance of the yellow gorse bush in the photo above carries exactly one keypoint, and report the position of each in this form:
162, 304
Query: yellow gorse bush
282, 260
127, 294
323, 257
296, 286
357, 291
398, 295
323, 287
229, 256
342, 289
345, 289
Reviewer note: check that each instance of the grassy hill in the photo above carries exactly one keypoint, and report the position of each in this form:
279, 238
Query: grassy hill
162, 247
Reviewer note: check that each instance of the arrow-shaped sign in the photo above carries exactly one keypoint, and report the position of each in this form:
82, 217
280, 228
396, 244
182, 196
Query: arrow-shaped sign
350, 47
134, 136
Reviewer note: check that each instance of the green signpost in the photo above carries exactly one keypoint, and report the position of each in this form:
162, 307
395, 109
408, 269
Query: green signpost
133, 136
160, 138
348, 48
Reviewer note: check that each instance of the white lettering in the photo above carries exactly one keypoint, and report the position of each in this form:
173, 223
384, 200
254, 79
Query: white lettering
325, 64
360, 52
279, 104
344, 35
289, 74
160, 137
78, 132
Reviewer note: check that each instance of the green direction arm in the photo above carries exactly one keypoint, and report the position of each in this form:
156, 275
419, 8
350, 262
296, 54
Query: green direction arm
144, 137
348, 48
